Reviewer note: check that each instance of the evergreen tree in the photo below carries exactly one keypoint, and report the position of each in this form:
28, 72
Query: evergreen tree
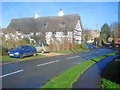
106, 32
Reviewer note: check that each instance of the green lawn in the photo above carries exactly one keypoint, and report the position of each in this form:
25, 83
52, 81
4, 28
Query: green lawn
71, 51
67, 78
110, 77
7, 58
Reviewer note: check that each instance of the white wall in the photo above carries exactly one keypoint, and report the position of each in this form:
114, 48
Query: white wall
78, 32
59, 36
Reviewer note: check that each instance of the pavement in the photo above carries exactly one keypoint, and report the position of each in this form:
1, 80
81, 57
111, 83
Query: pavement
37, 72
91, 78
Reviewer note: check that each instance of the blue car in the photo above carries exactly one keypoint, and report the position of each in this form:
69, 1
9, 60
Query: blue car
90, 45
23, 51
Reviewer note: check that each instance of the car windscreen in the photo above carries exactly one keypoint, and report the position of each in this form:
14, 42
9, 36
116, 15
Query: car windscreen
21, 47
40, 44
46, 45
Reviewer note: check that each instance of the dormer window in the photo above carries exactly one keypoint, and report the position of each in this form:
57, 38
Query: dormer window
63, 24
44, 25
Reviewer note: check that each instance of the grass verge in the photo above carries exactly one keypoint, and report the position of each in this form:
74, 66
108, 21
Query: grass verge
111, 76
7, 58
67, 78
71, 51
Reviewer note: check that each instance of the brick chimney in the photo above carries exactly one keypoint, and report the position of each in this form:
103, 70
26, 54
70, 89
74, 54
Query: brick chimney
61, 13
36, 15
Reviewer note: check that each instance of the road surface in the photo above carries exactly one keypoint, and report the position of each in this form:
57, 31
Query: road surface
35, 73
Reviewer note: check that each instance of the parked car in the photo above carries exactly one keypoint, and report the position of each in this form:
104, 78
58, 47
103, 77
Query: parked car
42, 48
90, 45
22, 51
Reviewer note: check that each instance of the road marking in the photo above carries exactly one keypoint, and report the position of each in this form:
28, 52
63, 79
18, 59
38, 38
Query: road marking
11, 73
73, 57
48, 63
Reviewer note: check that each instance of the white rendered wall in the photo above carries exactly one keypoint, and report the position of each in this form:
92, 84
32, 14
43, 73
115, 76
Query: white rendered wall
78, 32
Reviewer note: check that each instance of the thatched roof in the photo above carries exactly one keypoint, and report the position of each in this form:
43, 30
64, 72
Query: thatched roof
47, 24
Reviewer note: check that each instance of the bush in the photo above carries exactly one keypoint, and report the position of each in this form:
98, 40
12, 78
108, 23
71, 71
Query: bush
77, 46
83, 46
4, 51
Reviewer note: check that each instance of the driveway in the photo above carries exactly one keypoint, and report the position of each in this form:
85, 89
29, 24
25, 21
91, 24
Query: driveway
35, 73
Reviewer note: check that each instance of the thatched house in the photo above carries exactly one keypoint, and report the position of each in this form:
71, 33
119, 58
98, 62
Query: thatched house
90, 35
60, 26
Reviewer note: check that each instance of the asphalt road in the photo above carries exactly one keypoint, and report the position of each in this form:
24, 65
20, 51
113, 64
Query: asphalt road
35, 73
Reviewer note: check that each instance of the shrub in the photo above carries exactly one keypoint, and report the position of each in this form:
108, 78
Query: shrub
4, 51
83, 46
77, 46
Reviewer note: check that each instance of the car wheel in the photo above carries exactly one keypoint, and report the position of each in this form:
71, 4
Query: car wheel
34, 54
42, 52
21, 56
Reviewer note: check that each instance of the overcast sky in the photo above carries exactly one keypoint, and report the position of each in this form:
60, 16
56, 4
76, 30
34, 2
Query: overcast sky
91, 13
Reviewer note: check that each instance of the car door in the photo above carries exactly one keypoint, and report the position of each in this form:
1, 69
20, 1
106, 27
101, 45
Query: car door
27, 51
30, 50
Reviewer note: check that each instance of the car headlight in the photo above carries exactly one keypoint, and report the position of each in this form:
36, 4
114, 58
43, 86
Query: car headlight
16, 53
8, 52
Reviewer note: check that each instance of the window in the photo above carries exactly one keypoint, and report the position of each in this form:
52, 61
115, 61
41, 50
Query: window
54, 32
118, 41
28, 48
63, 24
21, 47
40, 45
44, 25
31, 47
65, 32
46, 45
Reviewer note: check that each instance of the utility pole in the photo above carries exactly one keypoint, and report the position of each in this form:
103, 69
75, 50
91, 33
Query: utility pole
97, 32
96, 26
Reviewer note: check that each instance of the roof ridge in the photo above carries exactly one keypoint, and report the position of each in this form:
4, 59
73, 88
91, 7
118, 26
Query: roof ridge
46, 17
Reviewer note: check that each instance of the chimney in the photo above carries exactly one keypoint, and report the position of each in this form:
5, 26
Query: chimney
61, 13
36, 15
